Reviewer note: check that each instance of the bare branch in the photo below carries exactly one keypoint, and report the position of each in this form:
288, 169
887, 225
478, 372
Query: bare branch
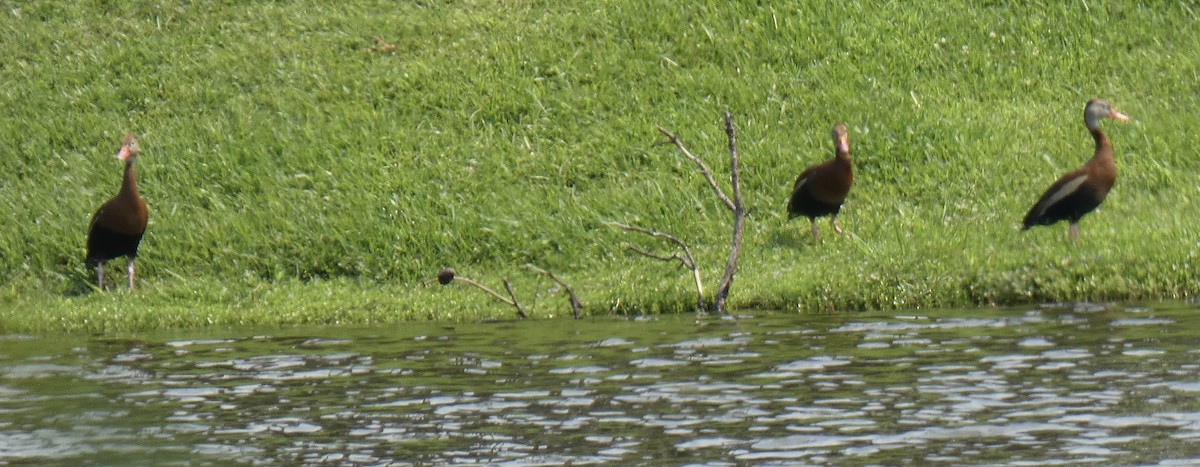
508, 287
688, 260
703, 167
739, 218
687, 250
735, 206
654, 233
682, 260
576, 305
484, 288
447, 275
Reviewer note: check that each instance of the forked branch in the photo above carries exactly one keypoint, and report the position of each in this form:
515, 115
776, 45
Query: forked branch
687, 260
734, 205
683, 260
703, 167
576, 305
508, 287
739, 217
447, 275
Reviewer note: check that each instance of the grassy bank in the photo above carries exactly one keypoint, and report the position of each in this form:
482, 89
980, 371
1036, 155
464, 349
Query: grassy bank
297, 171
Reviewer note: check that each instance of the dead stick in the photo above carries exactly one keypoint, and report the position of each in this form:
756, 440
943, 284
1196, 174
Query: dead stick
703, 168
508, 287
448, 275
485, 288
739, 218
688, 260
654, 233
690, 264
576, 305
682, 261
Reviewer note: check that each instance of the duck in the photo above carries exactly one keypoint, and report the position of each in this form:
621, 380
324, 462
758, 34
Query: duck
1080, 191
117, 227
821, 189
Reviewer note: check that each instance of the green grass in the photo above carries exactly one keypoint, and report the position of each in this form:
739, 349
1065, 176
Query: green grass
295, 174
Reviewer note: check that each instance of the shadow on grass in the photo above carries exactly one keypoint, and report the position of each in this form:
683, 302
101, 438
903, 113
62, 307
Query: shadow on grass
79, 282
78, 286
791, 235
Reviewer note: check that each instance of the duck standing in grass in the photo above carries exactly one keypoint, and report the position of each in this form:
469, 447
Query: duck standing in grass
821, 189
118, 226
1082, 190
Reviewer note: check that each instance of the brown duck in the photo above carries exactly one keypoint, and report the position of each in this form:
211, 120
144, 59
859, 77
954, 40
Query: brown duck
118, 226
1082, 190
821, 189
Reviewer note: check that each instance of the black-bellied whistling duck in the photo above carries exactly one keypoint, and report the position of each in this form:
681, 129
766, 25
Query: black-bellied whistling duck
1082, 190
118, 225
821, 189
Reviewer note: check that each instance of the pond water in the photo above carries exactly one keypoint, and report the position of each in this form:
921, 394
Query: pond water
1069, 384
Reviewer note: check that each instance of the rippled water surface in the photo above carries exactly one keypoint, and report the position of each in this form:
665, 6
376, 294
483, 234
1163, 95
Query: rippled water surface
1051, 385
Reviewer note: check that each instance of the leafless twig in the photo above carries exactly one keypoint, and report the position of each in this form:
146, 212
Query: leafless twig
739, 218
683, 260
687, 260
734, 205
448, 275
703, 168
576, 305
508, 287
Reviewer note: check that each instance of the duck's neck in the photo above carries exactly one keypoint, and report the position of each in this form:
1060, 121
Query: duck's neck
129, 183
1103, 147
841, 156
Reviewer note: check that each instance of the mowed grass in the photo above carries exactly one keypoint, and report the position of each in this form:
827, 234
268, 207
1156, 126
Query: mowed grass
299, 172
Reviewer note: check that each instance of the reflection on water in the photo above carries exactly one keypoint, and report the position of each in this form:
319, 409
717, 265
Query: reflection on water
1056, 385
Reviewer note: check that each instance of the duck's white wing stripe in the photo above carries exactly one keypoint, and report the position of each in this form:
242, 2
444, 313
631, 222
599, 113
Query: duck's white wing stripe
1064, 191
799, 183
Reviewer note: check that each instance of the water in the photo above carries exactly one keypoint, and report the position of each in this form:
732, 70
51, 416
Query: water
1053, 385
